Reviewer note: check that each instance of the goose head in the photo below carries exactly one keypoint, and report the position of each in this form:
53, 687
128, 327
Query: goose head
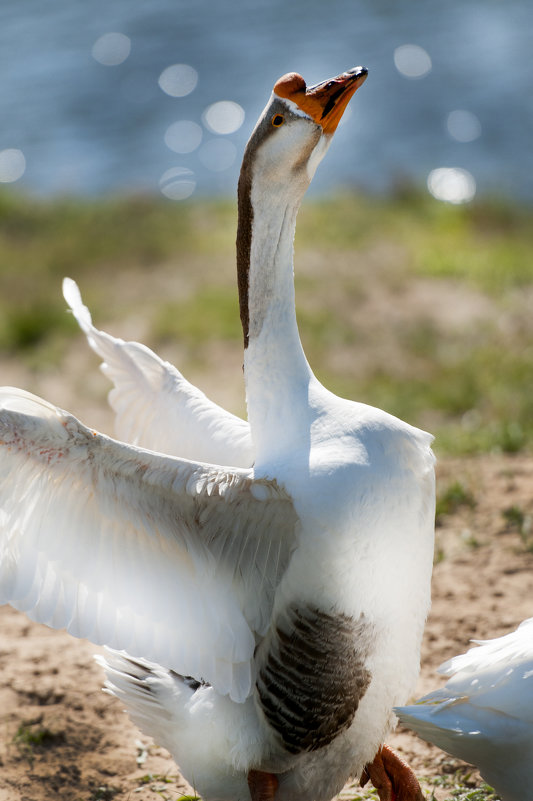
296, 128
287, 144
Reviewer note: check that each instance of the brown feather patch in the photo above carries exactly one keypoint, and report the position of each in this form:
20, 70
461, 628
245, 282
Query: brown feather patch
314, 676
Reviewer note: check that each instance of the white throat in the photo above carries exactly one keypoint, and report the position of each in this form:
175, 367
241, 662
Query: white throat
277, 374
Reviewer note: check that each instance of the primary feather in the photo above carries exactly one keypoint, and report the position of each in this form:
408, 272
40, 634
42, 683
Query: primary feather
150, 532
155, 406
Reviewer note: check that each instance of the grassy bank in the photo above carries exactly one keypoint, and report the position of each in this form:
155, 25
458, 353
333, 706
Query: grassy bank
416, 306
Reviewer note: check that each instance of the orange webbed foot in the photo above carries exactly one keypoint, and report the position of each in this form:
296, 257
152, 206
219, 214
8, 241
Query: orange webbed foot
262, 785
392, 777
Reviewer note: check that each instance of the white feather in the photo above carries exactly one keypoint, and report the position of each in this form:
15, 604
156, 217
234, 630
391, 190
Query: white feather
111, 540
155, 406
484, 713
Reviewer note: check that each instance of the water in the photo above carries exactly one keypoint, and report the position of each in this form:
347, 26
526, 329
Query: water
75, 124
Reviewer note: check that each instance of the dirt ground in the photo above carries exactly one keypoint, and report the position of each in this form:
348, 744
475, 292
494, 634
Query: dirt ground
62, 738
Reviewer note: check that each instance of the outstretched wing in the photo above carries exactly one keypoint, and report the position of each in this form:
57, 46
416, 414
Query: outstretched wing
156, 407
171, 560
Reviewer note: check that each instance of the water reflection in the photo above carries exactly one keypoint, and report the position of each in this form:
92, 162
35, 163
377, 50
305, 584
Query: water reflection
223, 117
178, 80
218, 154
183, 136
111, 49
88, 128
463, 126
12, 165
412, 61
177, 183
452, 184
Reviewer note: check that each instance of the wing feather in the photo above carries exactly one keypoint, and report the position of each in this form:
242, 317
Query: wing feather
172, 560
156, 407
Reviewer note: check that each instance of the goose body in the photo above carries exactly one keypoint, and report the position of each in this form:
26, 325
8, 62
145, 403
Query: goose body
484, 713
269, 578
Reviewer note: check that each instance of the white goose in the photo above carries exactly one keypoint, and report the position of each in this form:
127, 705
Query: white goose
484, 713
281, 605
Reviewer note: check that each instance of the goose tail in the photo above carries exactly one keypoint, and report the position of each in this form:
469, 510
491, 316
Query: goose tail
154, 697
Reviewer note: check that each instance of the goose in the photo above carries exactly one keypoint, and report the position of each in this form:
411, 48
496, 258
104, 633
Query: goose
484, 713
262, 586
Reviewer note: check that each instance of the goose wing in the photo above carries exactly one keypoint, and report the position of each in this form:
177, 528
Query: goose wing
172, 560
155, 406
487, 698
494, 675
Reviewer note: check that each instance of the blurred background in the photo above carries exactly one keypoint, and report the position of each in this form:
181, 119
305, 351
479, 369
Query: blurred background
123, 125
101, 96
122, 128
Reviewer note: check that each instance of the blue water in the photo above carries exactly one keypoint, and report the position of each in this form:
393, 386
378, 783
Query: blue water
85, 128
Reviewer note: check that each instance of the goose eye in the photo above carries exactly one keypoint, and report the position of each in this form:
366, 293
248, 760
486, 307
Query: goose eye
277, 120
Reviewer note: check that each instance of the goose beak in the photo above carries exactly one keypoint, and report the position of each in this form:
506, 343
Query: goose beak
331, 97
325, 102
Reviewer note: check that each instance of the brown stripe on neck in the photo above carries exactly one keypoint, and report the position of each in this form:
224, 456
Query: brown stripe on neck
244, 243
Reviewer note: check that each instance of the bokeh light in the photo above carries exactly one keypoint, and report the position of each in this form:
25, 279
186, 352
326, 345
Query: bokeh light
101, 123
223, 117
177, 183
12, 165
178, 80
111, 49
412, 61
452, 184
183, 136
463, 126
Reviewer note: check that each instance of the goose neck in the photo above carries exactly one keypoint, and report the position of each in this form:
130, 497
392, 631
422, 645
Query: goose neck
277, 374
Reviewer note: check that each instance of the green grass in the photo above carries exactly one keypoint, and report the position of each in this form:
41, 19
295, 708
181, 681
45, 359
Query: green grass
32, 736
104, 793
459, 781
460, 789
486, 244
452, 498
469, 383
461, 786
518, 520
212, 313
41, 242
153, 778
484, 793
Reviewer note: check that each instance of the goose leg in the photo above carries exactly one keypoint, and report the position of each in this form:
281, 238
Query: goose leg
262, 785
392, 777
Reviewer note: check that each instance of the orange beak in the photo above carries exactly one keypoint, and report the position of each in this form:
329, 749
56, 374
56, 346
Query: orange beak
325, 102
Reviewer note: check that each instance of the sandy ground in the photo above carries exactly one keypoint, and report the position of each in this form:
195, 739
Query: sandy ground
62, 738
